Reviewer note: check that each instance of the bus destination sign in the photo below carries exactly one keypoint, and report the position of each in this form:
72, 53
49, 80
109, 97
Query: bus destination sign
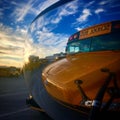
95, 30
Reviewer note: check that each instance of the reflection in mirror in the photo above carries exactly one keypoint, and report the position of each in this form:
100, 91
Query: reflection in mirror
58, 52
48, 35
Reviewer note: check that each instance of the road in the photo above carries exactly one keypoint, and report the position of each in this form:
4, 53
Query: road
13, 93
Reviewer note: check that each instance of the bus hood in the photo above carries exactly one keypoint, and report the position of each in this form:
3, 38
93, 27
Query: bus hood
75, 66
59, 77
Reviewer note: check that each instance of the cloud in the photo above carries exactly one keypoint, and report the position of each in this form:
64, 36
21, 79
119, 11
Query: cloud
99, 10
11, 46
89, 4
69, 9
85, 14
104, 2
78, 28
22, 10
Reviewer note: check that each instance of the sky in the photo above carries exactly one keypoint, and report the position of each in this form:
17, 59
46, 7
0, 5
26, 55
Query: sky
49, 33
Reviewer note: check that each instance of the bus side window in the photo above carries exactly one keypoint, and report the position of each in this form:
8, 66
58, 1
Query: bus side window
85, 45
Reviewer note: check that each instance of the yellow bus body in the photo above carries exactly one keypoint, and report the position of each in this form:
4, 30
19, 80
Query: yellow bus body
59, 77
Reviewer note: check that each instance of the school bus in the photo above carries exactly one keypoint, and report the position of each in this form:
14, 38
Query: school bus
87, 80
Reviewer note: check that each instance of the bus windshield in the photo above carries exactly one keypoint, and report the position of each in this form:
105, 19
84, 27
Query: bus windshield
99, 43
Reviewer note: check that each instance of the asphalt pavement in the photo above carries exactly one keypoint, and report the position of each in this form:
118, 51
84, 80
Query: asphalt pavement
13, 94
